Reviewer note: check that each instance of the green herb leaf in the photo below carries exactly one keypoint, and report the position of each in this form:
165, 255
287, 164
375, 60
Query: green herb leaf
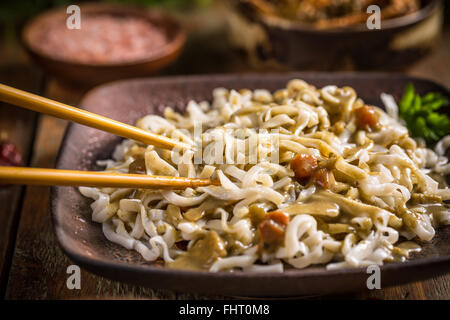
420, 114
407, 99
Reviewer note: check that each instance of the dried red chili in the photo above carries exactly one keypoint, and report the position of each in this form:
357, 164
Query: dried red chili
9, 155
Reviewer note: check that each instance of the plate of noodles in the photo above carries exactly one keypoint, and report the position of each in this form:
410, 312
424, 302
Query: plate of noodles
317, 183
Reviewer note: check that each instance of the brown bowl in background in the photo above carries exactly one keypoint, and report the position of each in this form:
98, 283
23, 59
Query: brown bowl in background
400, 41
88, 74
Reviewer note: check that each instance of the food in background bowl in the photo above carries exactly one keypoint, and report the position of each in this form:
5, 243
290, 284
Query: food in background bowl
333, 40
102, 38
333, 13
114, 42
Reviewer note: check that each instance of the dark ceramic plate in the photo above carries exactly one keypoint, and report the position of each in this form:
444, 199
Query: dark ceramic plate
84, 242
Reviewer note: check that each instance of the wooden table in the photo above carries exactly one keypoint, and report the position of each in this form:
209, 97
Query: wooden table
32, 265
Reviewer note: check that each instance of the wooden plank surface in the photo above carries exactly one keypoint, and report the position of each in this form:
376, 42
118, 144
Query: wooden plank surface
17, 126
38, 267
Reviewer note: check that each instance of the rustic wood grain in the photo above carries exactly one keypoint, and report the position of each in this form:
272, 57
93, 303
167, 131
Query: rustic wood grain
33, 245
436, 66
437, 288
16, 126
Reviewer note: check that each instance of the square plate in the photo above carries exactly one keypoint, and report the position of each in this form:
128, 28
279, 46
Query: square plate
83, 241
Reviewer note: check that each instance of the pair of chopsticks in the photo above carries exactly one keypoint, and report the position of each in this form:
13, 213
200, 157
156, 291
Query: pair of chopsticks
38, 176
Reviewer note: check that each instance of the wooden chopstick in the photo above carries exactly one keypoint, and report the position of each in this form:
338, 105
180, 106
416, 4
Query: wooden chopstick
56, 177
60, 110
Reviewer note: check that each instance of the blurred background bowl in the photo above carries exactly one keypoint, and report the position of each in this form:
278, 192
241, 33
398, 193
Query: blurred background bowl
88, 74
296, 45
